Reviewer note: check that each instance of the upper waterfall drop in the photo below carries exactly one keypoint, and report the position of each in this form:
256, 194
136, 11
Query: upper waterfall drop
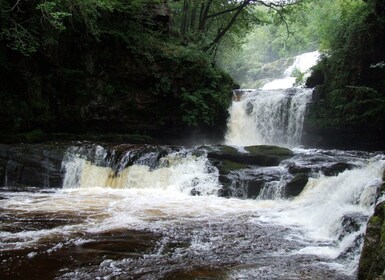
274, 114
302, 63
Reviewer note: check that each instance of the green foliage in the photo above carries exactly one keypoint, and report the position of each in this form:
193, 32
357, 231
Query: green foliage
358, 104
20, 40
275, 39
306, 27
55, 17
299, 76
202, 91
62, 61
353, 71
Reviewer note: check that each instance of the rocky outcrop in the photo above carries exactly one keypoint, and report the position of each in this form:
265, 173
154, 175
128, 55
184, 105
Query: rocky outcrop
372, 260
236, 173
31, 165
254, 155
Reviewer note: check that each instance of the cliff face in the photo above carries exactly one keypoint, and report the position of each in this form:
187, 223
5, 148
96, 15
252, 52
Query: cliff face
32, 165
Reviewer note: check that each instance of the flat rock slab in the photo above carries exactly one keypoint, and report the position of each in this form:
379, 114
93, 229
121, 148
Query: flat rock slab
262, 155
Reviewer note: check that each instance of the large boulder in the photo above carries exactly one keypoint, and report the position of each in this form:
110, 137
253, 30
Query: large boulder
233, 165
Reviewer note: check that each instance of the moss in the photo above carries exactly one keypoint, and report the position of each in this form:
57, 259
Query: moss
227, 166
372, 261
270, 150
379, 220
257, 155
228, 150
375, 220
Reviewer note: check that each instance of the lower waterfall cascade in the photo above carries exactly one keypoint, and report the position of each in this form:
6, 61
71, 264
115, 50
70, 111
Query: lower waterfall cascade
168, 199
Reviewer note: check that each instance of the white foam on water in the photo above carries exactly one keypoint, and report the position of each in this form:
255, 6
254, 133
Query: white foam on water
319, 211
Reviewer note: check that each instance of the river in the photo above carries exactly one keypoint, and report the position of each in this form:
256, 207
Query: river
160, 212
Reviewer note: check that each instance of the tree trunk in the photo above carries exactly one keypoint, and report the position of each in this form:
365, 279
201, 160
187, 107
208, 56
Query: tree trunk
185, 16
205, 8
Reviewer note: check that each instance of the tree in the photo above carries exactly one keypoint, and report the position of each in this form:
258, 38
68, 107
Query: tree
25, 25
207, 22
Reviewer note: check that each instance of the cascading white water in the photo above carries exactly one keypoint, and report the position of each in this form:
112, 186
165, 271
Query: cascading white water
178, 171
274, 114
302, 63
268, 117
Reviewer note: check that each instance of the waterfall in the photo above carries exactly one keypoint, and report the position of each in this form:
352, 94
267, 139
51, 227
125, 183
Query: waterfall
302, 64
272, 117
178, 170
274, 114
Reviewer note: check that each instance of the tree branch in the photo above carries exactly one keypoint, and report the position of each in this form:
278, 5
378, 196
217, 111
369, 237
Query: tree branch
225, 11
222, 32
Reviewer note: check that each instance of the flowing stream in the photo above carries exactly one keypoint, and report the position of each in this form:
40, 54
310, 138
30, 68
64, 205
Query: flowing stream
160, 212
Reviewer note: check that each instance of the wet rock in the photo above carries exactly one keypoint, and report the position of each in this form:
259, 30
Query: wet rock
336, 168
295, 169
227, 166
372, 260
249, 108
120, 156
353, 249
243, 189
150, 156
37, 165
249, 183
351, 223
256, 155
296, 185
316, 78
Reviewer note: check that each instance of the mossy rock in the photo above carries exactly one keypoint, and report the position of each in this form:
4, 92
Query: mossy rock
256, 155
284, 153
227, 166
372, 261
